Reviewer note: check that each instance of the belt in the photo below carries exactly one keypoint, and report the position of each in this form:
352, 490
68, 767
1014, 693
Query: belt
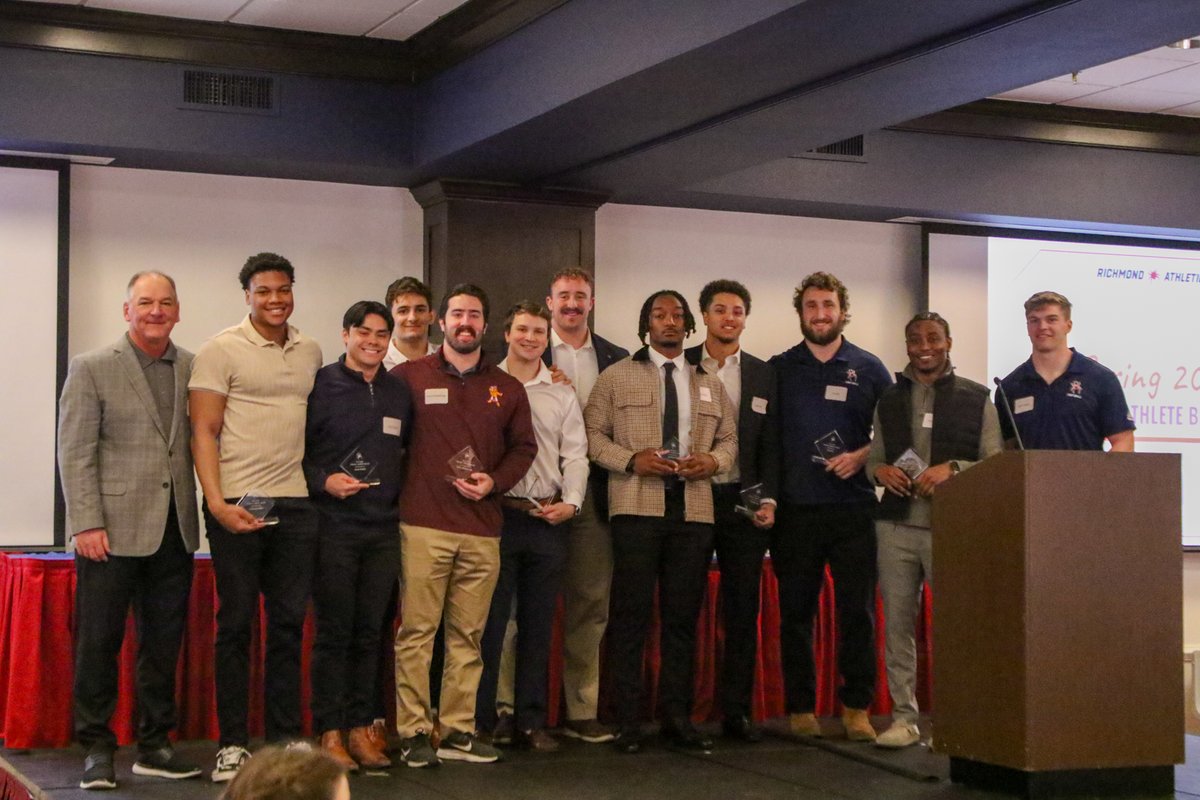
522, 504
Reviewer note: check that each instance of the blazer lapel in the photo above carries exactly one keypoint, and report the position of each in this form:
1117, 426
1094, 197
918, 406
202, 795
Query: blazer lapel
181, 398
137, 381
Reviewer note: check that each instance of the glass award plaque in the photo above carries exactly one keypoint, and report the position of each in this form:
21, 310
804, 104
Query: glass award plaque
910, 464
359, 467
828, 446
670, 449
260, 506
463, 463
751, 501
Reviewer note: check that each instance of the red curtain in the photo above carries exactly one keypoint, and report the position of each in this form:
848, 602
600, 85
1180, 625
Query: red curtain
37, 600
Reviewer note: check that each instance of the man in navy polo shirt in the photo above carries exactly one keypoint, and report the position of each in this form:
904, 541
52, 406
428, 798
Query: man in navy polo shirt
1062, 400
828, 389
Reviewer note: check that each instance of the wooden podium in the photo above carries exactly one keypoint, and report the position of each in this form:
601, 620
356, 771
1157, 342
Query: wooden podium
1058, 628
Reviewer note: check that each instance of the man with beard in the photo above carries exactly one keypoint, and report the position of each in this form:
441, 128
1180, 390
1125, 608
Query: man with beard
1060, 399
828, 389
930, 425
472, 441
742, 537
411, 304
661, 430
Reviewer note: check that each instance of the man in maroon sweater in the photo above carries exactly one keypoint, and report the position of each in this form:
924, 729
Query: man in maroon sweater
450, 524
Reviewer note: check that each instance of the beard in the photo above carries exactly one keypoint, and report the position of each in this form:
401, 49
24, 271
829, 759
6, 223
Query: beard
464, 347
823, 338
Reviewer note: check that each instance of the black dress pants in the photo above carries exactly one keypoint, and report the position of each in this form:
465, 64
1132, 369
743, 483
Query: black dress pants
355, 578
277, 561
740, 550
533, 555
158, 586
803, 541
675, 555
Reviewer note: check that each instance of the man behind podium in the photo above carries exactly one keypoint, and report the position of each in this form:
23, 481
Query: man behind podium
131, 509
1062, 400
947, 423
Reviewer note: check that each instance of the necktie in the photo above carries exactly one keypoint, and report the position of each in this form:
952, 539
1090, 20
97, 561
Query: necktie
670, 426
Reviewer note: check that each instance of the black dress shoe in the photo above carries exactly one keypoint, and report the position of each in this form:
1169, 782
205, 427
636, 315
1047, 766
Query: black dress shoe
683, 735
740, 727
628, 740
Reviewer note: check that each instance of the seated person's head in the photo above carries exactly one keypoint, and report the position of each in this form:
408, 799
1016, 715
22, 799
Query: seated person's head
275, 774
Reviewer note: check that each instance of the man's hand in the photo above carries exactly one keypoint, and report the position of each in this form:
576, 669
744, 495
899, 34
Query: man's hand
92, 544
341, 485
765, 516
558, 376
846, 465
933, 477
477, 487
554, 513
234, 518
648, 463
696, 467
893, 479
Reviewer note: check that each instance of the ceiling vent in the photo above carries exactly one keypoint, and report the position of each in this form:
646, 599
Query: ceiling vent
846, 150
234, 92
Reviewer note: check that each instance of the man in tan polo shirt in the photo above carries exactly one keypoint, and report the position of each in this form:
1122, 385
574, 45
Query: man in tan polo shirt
248, 398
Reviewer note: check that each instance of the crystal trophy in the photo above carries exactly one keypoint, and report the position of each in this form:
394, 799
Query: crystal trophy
463, 463
828, 446
910, 464
670, 449
359, 467
751, 501
260, 506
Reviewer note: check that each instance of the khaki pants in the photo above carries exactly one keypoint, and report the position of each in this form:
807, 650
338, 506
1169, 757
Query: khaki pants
586, 586
451, 575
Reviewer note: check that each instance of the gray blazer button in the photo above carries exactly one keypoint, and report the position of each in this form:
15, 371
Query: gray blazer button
166, 486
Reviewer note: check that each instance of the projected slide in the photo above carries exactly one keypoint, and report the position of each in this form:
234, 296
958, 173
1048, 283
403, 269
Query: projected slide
1137, 311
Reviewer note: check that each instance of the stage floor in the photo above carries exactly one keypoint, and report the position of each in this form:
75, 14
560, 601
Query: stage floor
776, 768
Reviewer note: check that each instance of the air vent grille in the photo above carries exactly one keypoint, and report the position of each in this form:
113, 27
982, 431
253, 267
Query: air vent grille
228, 91
846, 147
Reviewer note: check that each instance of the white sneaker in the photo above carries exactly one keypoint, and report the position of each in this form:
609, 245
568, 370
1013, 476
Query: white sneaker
900, 734
229, 760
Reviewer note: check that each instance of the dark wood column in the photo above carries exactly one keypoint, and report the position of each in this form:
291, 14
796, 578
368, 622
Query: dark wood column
506, 239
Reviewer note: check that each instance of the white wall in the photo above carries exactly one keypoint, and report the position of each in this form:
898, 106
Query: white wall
640, 249
346, 243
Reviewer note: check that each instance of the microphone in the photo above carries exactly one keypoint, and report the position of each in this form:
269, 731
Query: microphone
1007, 407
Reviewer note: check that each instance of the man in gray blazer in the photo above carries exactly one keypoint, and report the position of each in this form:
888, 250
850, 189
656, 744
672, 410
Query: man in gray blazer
126, 466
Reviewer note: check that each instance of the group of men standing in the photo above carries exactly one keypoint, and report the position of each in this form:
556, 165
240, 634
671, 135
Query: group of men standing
611, 477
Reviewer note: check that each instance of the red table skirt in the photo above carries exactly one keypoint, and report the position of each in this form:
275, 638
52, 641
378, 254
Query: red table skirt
37, 601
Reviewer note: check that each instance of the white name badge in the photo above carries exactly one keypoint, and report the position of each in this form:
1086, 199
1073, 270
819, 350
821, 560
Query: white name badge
838, 393
437, 397
391, 426
1022, 405
927, 420
705, 394
758, 405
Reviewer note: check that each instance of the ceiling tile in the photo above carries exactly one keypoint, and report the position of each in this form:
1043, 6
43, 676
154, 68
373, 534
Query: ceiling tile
415, 18
327, 16
213, 10
1185, 79
1192, 110
1125, 70
1130, 99
1051, 92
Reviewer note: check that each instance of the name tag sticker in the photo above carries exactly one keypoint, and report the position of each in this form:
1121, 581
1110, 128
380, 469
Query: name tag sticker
758, 405
837, 393
437, 397
705, 394
927, 420
1022, 405
391, 426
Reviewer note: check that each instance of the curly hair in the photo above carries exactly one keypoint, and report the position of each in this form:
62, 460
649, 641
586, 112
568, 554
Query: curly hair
826, 282
265, 262
277, 774
689, 321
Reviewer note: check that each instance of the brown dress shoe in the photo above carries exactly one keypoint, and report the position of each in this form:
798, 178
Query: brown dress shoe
331, 743
377, 732
364, 751
537, 740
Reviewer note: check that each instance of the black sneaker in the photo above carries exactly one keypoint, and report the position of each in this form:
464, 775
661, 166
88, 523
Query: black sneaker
416, 751
163, 763
460, 746
98, 771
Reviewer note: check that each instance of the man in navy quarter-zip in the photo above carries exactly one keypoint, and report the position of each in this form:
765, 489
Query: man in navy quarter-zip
358, 421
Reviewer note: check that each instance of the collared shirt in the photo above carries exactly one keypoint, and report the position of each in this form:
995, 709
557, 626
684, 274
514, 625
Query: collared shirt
731, 378
266, 390
160, 375
683, 390
581, 365
394, 356
1078, 411
816, 398
920, 509
561, 463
